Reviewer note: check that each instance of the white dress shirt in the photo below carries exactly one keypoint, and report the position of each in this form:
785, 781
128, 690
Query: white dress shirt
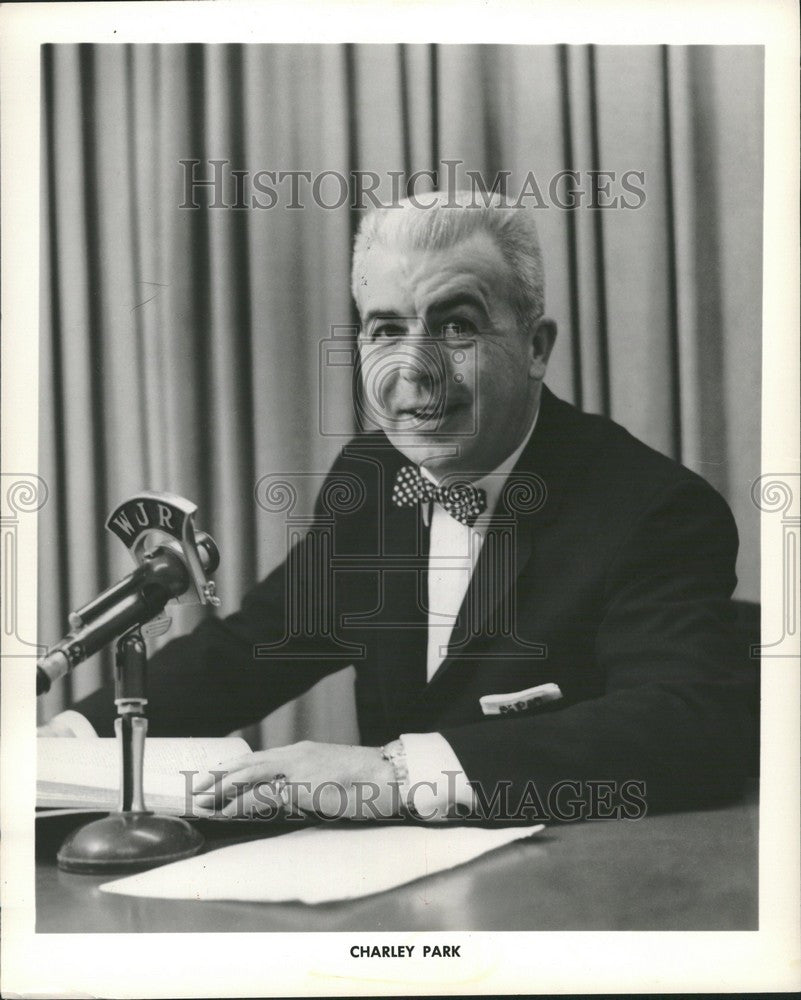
436, 779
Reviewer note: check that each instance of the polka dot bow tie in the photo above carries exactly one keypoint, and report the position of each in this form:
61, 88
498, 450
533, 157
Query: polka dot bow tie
462, 501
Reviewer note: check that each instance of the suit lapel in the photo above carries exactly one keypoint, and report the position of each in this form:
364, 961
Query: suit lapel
528, 502
399, 621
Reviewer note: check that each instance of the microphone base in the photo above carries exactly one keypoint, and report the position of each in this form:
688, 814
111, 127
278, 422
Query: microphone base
127, 842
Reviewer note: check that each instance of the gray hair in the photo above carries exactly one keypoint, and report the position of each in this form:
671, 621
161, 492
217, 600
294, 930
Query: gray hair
452, 217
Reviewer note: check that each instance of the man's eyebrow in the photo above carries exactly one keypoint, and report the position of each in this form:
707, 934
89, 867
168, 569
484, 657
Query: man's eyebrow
382, 314
452, 302
438, 306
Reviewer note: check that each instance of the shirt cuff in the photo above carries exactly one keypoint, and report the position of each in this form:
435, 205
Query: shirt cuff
437, 783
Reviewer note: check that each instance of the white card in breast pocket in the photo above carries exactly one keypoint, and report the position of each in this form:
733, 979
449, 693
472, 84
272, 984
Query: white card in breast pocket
519, 701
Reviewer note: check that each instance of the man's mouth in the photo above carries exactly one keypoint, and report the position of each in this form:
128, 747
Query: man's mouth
427, 411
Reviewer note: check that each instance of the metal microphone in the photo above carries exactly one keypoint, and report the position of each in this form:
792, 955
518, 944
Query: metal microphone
162, 575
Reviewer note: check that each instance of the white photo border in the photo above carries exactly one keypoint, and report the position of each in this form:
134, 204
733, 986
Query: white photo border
183, 965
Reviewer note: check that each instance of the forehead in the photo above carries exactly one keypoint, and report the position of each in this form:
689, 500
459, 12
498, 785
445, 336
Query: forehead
398, 277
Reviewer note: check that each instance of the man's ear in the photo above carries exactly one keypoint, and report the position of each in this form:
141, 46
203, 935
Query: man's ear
542, 341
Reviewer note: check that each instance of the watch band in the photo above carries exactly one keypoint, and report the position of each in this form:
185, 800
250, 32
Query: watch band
395, 753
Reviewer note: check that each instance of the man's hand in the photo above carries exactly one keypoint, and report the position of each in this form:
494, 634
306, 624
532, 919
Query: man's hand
68, 723
326, 779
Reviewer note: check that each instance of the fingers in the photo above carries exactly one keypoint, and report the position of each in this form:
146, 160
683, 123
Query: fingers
242, 796
257, 802
222, 783
230, 780
233, 784
205, 781
264, 800
248, 783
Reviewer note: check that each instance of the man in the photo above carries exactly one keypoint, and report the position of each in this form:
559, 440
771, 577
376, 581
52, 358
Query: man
529, 594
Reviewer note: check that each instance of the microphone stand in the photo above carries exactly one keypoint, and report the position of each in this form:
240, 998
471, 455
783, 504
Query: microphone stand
133, 838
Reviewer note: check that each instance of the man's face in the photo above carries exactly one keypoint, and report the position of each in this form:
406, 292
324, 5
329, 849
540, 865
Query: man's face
446, 372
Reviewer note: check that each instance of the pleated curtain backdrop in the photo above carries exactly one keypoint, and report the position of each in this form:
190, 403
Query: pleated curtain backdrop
181, 348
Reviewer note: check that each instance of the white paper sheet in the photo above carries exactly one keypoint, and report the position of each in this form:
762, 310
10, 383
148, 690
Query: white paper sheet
319, 865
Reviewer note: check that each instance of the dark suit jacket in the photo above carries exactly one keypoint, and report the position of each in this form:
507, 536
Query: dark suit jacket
607, 570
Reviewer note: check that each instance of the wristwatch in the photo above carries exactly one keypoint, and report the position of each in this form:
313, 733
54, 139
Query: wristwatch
395, 753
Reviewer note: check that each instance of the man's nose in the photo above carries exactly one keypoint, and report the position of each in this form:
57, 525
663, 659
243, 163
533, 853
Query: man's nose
420, 359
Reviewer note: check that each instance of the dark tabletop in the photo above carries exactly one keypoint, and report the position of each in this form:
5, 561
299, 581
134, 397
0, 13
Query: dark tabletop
678, 871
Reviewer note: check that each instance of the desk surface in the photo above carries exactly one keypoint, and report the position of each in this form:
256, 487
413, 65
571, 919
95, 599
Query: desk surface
679, 871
